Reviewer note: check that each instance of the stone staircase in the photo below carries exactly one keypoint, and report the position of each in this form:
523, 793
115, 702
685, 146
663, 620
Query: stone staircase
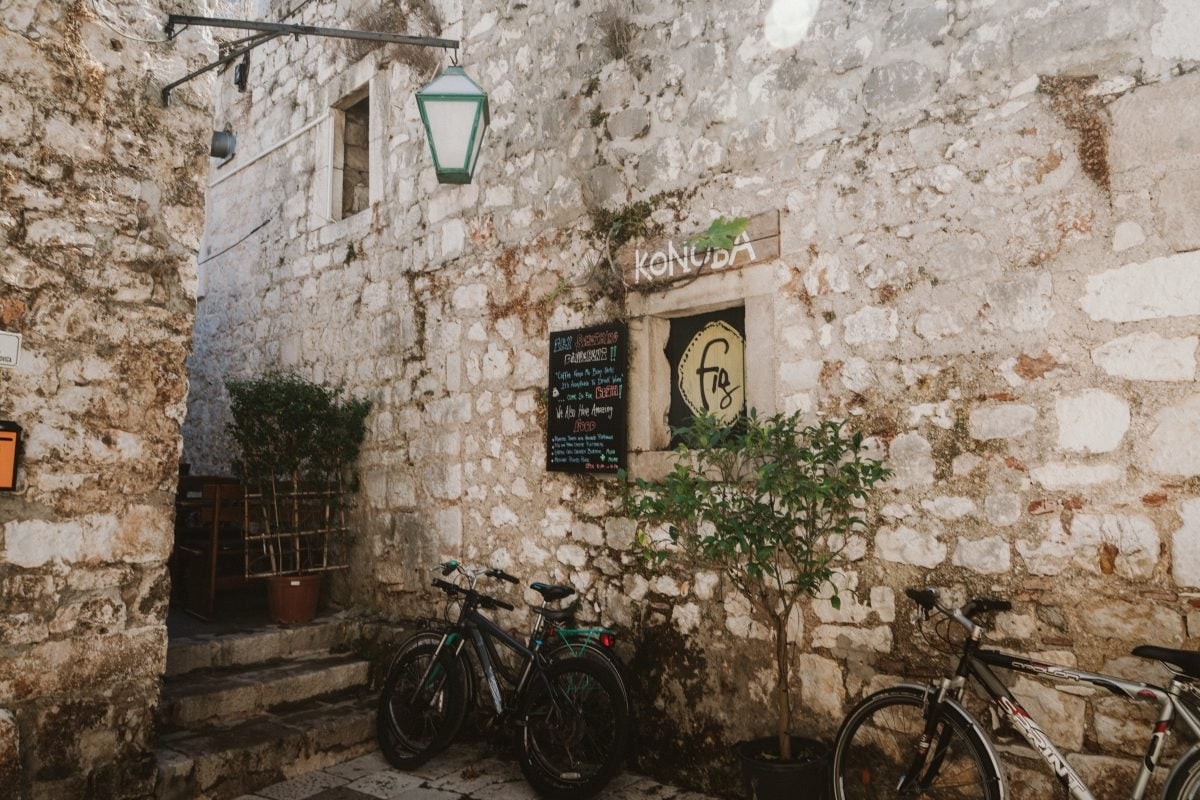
243, 710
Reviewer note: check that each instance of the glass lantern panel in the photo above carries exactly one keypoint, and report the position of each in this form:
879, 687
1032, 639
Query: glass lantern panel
450, 125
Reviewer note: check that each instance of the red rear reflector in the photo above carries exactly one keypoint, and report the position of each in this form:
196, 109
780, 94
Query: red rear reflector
607, 640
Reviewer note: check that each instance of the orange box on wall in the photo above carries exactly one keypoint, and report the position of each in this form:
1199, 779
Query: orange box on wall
10, 446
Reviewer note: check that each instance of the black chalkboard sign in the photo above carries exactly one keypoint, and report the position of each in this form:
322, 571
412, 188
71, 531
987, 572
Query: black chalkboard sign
585, 432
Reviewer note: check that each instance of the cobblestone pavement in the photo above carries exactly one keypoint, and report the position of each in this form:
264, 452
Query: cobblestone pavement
465, 772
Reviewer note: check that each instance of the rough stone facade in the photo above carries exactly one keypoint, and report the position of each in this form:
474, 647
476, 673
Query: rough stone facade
100, 216
989, 263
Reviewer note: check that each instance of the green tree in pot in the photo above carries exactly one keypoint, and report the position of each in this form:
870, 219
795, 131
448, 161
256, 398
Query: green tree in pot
298, 443
770, 504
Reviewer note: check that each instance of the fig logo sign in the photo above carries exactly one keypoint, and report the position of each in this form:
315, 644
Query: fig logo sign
712, 373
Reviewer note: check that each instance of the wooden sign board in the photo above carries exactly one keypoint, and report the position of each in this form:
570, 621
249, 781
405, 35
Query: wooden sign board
586, 424
666, 260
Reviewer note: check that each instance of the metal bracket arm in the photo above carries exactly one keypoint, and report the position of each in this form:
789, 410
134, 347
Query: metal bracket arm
266, 31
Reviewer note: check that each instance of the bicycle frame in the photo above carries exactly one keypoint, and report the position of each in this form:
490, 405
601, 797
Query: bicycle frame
483, 633
977, 663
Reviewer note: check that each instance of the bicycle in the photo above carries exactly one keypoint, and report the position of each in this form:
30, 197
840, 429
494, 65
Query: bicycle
557, 637
570, 712
920, 741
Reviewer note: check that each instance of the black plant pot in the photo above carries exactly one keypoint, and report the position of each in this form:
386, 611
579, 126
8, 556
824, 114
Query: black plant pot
806, 777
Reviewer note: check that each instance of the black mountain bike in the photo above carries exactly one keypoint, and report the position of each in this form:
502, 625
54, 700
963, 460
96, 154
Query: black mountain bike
919, 741
570, 712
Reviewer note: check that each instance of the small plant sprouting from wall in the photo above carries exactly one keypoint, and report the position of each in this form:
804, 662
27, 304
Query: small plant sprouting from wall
617, 32
415, 17
1085, 115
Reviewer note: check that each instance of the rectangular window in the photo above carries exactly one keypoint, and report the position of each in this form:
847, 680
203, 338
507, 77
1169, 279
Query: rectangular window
706, 354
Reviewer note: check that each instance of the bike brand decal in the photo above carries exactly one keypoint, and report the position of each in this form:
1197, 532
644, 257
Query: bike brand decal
1038, 739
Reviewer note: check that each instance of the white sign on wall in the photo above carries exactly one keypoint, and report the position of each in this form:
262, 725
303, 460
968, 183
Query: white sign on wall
10, 349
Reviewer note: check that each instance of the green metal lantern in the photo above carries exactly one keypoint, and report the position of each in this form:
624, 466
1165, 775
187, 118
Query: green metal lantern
455, 112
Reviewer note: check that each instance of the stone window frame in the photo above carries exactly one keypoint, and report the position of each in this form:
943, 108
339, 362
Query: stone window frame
650, 315
363, 79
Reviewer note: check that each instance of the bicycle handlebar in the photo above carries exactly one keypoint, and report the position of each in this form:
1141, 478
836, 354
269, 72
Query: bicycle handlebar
929, 599
502, 575
482, 599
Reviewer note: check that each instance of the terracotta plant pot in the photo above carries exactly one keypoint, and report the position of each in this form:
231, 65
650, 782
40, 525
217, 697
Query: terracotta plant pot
292, 599
805, 777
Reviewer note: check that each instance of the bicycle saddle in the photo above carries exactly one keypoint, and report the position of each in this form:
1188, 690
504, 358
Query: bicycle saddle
1187, 661
551, 592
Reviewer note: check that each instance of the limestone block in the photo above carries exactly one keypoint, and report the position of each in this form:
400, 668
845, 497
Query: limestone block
821, 687
1005, 421
1136, 622
847, 639
1178, 199
1059, 475
1021, 304
1059, 714
871, 324
1185, 546
1148, 357
1126, 235
900, 85
946, 507
571, 554
1091, 421
989, 556
906, 545
1121, 725
1099, 543
1177, 34
1155, 289
686, 617
1002, 509
472, 297
924, 24
911, 460
10, 750
1156, 126
705, 585
1173, 447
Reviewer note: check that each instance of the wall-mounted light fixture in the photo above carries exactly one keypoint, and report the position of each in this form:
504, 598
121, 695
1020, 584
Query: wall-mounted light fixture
455, 111
224, 144
10, 448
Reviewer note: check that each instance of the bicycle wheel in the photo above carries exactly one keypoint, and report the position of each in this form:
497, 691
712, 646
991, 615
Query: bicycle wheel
1183, 783
421, 707
575, 729
878, 745
603, 656
434, 637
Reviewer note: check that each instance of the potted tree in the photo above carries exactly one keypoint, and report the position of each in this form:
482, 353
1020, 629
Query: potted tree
769, 504
298, 443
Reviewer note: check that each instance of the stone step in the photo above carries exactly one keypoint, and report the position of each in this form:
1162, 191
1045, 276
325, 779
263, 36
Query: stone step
208, 696
253, 646
223, 762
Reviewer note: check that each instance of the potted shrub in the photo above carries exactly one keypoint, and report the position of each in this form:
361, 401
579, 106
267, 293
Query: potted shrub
770, 505
298, 443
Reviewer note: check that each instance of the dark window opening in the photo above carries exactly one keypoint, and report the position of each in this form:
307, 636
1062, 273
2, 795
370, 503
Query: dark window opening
356, 157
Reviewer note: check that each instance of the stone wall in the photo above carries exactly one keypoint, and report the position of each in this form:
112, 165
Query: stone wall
988, 264
100, 214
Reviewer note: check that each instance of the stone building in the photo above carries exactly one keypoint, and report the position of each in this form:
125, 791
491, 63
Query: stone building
101, 203
989, 261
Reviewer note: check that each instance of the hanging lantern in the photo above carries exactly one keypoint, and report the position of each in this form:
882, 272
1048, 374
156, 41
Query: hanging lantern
455, 112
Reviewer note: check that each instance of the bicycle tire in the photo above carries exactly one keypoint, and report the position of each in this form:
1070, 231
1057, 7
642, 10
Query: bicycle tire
575, 729
604, 656
434, 636
413, 723
877, 744
1183, 782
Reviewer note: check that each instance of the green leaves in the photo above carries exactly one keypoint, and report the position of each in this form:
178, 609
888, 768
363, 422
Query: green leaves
762, 501
720, 234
